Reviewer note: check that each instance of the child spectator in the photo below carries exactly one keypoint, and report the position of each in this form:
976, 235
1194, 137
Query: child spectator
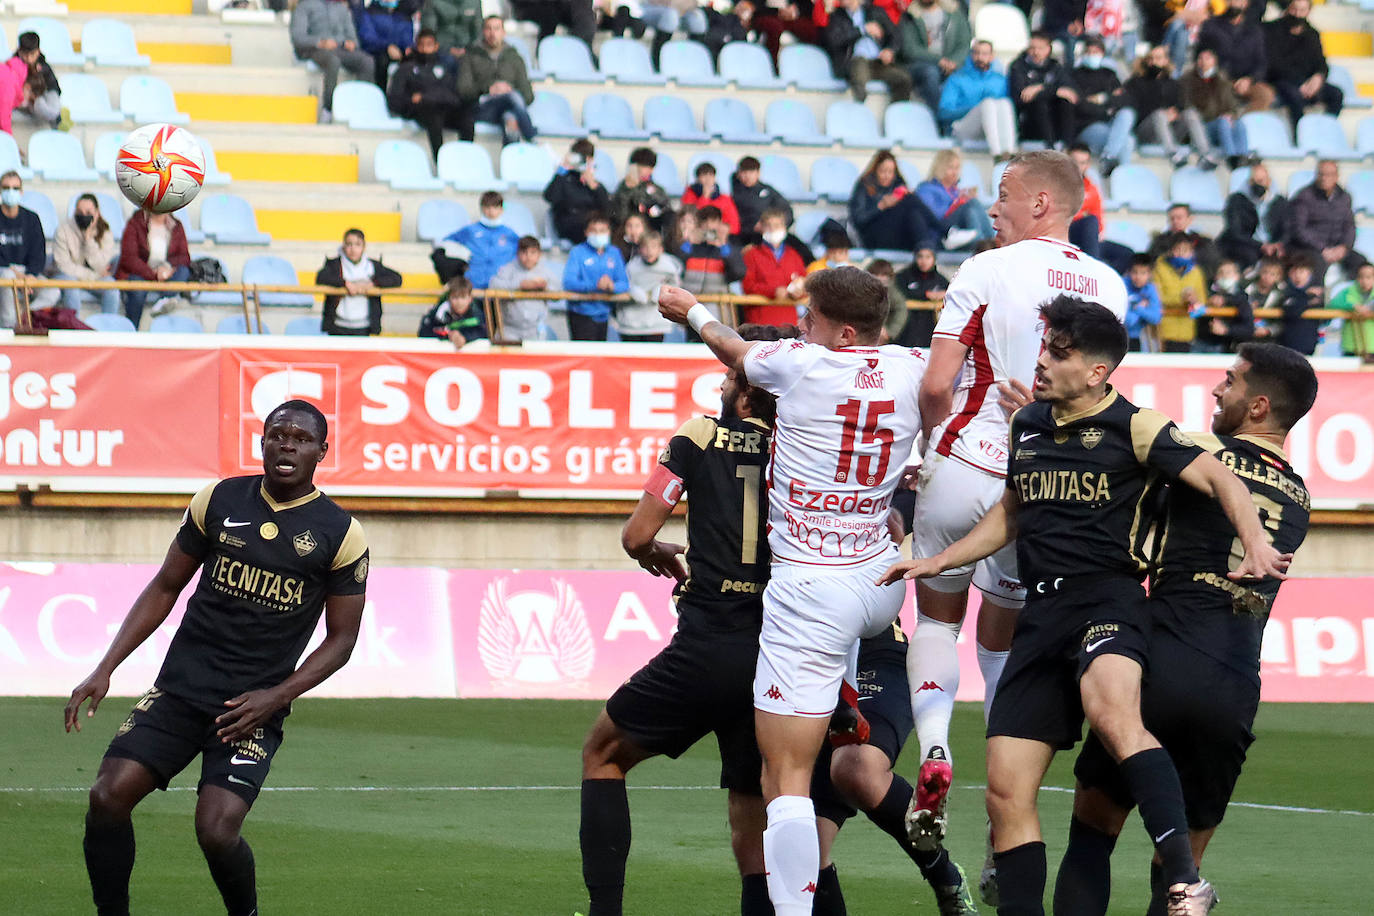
710, 264
705, 192
920, 280
837, 245
770, 268
455, 318
1357, 336
1183, 290
44, 103
753, 198
14, 75
896, 302
594, 266
1221, 335
631, 233
1266, 292
1143, 307
522, 319
478, 250
639, 193
639, 321
1302, 292
359, 313
424, 89
574, 193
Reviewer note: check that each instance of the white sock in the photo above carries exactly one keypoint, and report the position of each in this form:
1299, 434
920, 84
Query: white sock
791, 855
991, 663
932, 668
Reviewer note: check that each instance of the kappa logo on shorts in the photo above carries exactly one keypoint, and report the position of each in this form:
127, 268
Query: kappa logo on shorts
930, 685
810, 888
773, 693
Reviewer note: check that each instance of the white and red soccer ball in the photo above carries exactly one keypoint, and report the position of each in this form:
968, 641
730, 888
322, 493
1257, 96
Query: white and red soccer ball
160, 167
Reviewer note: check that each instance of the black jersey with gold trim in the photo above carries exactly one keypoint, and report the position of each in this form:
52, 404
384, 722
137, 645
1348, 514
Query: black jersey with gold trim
1082, 480
1191, 596
721, 464
266, 569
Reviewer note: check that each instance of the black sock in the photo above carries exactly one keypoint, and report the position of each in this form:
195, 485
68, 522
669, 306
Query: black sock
1153, 781
890, 818
753, 896
235, 876
1021, 880
109, 849
605, 838
829, 898
1159, 891
1084, 884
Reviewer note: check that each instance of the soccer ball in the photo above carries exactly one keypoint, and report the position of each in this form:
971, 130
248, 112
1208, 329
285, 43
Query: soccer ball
160, 167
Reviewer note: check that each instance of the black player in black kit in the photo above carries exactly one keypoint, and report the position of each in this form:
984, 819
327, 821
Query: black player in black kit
274, 553
702, 682
1203, 688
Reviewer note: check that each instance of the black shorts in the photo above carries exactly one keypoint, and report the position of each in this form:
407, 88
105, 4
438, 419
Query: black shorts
699, 683
165, 733
1058, 634
1202, 711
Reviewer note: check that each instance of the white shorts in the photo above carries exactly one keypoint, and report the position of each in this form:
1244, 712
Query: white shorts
951, 497
813, 619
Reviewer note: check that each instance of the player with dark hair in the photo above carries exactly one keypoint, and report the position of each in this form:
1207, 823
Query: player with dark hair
274, 552
1082, 458
703, 681
1205, 628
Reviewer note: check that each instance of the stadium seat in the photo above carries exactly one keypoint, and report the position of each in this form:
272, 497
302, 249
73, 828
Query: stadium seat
782, 173
229, 220
99, 321
670, 118
913, 126
54, 39
689, 63
1197, 188
1323, 136
1361, 188
58, 156
1364, 241
568, 59
1268, 135
237, 324
553, 116
610, 116
1299, 180
87, 100
970, 176
106, 148
1137, 188
527, 166
733, 121
439, 217
517, 215
220, 297
304, 326
149, 100
212, 173
9, 157
748, 66
603, 164
404, 165
111, 207
1239, 179
725, 167
174, 324
666, 174
628, 62
1340, 77
808, 67
43, 207
833, 178
467, 167
852, 124
1364, 137
807, 226
1004, 25
362, 106
270, 270
1128, 234
793, 122
190, 224
110, 43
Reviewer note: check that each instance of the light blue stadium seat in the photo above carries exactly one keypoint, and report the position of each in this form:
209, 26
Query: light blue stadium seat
518, 216
304, 326
689, 63
149, 100
852, 124
1124, 232
748, 66
229, 220
9, 157
58, 156
670, 118
106, 148
1361, 188
553, 116
54, 39
833, 178
628, 62
733, 121
666, 174
527, 166
808, 67
970, 176
1340, 77
1137, 188
610, 116
1268, 135
1322, 135
99, 321
1299, 180
725, 167
87, 100
190, 224
212, 173
782, 173
1364, 137
808, 226
43, 207
913, 126
1197, 188
522, 47
404, 165
110, 43
467, 167
174, 324
1364, 241
792, 122
439, 217
111, 207
237, 324
270, 270
568, 59
362, 106
1239, 179
603, 165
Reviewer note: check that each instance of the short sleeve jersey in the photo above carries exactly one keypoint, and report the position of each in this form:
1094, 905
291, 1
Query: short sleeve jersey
847, 423
266, 570
720, 465
1082, 482
993, 308
1197, 546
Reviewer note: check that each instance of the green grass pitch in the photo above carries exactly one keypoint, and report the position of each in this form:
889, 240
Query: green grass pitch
416, 844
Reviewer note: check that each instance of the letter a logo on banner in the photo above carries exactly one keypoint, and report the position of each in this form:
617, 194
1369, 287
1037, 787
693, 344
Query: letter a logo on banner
534, 637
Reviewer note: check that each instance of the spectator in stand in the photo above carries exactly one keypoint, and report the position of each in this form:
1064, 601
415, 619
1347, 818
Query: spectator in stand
639, 321
322, 31
770, 268
359, 312
704, 192
1085, 230
631, 233
1150, 103
681, 233
1099, 95
44, 105
1217, 334
594, 266
1042, 91
1062, 21
1182, 29
837, 250
1144, 310
524, 319
1183, 291
725, 27
494, 86
456, 23
1266, 291
1303, 291
578, 16
1357, 331
1238, 42
153, 248
386, 30
640, 194
974, 104
1180, 219
1255, 221
574, 194
935, 37
896, 303
862, 41
920, 281
664, 17
790, 17
709, 262
1297, 64
753, 198
489, 244
1322, 221
85, 249
424, 89
962, 217
618, 19
23, 250
456, 317
885, 211
1206, 93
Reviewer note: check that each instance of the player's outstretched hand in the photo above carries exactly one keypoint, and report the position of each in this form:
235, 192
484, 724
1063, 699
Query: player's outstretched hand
662, 560
674, 303
909, 569
92, 688
1264, 562
247, 712
1013, 395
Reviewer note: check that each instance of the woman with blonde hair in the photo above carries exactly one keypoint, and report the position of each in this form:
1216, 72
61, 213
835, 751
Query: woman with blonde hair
962, 217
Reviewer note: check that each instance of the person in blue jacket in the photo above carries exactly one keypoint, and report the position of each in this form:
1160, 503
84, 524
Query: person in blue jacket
974, 104
486, 245
1144, 309
386, 30
594, 266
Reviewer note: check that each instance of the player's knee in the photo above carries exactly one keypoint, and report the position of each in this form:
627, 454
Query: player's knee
853, 776
1005, 799
216, 836
106, 802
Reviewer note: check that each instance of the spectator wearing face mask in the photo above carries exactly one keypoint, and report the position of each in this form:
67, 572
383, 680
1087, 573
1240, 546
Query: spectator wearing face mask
1151, 104
771, 268
1297, 64
85, 249
1183, 290
1255, 221
1099, 95
1237, 40
1206, 91
753, 198
1144, 310
594, 266
386, 30
22, 246
488, 243
920, 280
650, 269
357, 313
1216, 334
425, 89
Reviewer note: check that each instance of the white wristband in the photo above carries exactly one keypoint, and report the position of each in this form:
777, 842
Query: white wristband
698, 316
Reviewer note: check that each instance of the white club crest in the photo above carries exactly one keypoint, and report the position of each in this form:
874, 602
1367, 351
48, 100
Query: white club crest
534, 636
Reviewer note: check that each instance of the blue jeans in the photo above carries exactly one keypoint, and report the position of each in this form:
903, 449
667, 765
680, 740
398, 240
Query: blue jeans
970, 215
925, 77
1112, 139
135, 298
1176, 40
494, 110
1228, 136
71, 298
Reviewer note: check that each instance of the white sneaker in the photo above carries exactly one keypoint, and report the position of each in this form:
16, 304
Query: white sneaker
958, 238
164, 305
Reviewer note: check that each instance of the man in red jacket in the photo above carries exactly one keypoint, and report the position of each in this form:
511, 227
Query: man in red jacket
769, 269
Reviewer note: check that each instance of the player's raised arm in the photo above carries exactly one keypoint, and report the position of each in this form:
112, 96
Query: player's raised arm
937, 385
1262, 560
994, 531
680, 306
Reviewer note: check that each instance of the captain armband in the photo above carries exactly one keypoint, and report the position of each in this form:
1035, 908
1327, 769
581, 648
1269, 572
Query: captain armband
664, 486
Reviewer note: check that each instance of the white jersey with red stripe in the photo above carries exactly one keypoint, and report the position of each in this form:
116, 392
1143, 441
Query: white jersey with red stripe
993, 308
847, 424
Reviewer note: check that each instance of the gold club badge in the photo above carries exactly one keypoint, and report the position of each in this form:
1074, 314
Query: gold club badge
268, 530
